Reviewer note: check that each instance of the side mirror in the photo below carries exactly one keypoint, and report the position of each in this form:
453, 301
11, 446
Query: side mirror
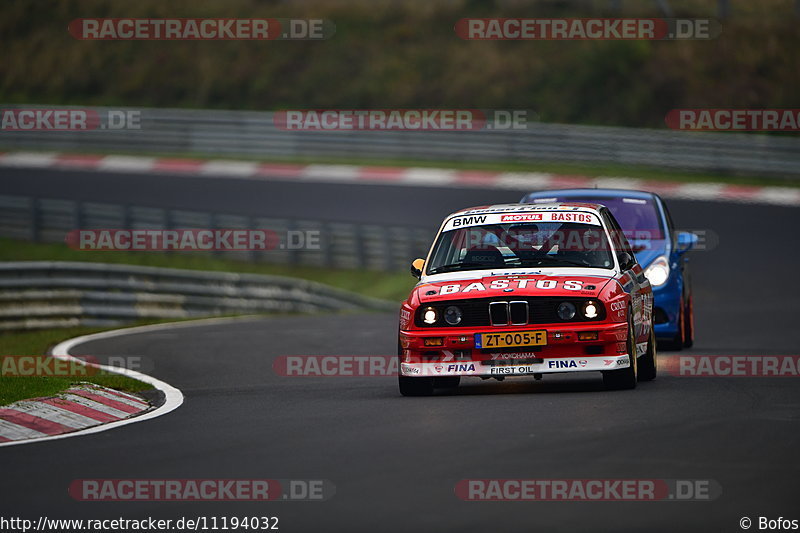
685, 241
626, 261
416, 267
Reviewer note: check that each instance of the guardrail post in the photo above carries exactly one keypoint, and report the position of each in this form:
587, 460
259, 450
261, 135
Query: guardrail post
252, 255
77, 215
388, 249
127, 217
291, 226
360, 246
35, 216
723, 8
325, 243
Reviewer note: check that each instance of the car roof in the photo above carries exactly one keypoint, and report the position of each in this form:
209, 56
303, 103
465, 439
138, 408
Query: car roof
597, 193
510, 208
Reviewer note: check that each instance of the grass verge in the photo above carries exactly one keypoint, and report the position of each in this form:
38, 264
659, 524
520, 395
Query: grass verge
38, 342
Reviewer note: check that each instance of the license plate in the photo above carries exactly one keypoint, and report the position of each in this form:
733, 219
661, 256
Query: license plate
510, 339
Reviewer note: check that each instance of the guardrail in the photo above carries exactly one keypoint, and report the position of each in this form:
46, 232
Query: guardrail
342, 245
45, 294
254, 134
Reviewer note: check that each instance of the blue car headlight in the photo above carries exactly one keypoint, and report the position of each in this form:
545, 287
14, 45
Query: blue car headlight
658, 271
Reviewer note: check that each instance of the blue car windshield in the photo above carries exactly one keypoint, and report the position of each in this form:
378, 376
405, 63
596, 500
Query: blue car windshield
638, 217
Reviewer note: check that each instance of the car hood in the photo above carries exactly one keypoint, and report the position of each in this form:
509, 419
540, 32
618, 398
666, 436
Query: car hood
647, 256
487, 284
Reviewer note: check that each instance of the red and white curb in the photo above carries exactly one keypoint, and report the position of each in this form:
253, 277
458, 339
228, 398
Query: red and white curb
113, 414
80, 407
411, 176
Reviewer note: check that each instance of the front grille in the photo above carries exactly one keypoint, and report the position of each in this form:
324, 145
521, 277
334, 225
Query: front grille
518, 312
498, 313
476, 312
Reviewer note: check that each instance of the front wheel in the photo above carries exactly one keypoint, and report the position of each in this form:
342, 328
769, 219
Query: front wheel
648, 363
688, 324
624, 378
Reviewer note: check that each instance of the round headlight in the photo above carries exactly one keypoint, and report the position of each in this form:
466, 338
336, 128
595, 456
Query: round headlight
658, 272
452, 315
429, 316
566, 311
590, 309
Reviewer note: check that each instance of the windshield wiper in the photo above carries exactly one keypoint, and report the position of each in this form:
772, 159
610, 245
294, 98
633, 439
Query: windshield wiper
458, 266
556, 262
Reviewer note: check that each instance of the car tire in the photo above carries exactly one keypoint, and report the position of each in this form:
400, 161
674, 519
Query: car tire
624, 378
415, 386
409, 386
688, 324
648, 363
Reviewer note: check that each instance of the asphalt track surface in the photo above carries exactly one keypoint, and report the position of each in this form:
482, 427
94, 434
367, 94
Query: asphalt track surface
395, 461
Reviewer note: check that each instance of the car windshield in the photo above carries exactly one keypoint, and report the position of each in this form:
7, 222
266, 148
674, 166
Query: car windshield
546, 244
638, 217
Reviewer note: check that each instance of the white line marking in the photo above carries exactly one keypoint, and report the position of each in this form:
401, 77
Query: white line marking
778, 195
523, 180
173, 396
428, 176
229, 168
124, 163
331, 172
29, 159
699, 191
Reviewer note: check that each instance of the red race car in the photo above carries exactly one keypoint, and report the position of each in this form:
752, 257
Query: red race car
527, 290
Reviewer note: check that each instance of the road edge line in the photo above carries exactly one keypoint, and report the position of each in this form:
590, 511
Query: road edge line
173, 397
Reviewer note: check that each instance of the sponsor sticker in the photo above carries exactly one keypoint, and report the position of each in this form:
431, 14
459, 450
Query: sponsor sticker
469, 220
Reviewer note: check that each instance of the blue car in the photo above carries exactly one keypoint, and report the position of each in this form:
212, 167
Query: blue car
646, 222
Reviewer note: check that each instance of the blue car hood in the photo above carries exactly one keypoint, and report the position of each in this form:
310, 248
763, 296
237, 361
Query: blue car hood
646, 257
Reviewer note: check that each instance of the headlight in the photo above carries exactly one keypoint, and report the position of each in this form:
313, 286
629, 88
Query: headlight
658, 272
452, 315
590, 309
566, 311
429, 316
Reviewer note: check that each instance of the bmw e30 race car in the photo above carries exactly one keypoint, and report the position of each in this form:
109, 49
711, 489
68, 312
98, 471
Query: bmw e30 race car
527, 290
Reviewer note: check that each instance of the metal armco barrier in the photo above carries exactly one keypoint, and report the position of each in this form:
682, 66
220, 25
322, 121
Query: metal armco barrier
45, 294
341, 244
254, 134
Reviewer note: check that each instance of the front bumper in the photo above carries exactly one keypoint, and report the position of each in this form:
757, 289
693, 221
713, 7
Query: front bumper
666, 307
546, 366
458, 356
